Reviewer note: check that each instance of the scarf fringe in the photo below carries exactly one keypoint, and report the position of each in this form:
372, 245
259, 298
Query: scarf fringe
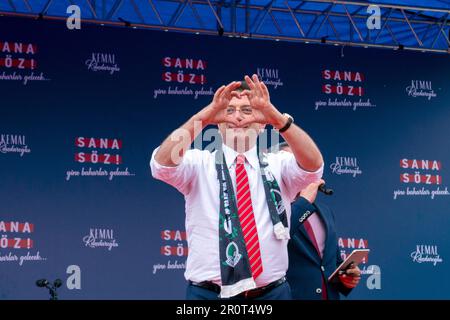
281, 232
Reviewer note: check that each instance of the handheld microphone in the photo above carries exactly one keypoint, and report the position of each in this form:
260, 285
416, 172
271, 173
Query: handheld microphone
325, 190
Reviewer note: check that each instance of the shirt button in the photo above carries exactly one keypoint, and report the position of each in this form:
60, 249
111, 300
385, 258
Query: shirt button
322, 268
318, 290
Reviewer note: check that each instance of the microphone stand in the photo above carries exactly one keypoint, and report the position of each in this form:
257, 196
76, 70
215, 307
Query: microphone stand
51, 287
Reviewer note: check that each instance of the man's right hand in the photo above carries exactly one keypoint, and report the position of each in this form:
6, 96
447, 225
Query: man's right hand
216, 111
310, 192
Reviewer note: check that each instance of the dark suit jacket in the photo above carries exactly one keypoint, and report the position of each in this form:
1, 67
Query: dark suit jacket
306, 268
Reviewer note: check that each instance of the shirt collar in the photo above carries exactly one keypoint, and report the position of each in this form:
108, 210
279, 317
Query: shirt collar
230, 156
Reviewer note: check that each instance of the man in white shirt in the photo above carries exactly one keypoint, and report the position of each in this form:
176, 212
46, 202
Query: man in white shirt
238, 203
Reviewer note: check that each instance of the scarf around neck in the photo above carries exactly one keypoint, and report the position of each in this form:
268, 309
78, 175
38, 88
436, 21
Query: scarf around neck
235, 269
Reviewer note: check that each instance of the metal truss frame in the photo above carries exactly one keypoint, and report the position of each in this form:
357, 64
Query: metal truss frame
337, 22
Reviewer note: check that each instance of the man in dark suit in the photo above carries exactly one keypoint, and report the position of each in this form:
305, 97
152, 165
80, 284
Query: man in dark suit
313, 249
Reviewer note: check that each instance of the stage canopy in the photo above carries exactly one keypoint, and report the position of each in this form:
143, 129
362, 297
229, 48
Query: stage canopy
404, 24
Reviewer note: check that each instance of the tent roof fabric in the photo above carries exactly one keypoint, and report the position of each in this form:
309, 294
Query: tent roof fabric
403, 24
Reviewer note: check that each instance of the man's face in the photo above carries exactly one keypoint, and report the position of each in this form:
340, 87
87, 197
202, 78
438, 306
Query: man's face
240, 136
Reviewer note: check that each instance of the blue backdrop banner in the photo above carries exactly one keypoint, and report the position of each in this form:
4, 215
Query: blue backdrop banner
81, 112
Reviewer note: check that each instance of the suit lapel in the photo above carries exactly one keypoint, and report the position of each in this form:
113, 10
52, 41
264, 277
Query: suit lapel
306, 236
312, 249
309, 246
323, 214
326, 224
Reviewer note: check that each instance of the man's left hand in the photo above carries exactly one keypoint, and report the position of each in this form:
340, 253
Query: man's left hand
310, 192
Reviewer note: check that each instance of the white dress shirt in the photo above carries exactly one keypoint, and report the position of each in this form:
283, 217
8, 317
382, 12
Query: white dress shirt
196, 178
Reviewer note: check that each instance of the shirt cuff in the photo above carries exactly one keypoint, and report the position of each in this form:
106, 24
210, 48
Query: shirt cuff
309, 176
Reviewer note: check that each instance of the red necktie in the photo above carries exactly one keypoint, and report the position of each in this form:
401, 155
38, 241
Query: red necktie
314, 241
247, 218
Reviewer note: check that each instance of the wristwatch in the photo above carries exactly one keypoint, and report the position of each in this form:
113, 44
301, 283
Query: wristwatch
288, 123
